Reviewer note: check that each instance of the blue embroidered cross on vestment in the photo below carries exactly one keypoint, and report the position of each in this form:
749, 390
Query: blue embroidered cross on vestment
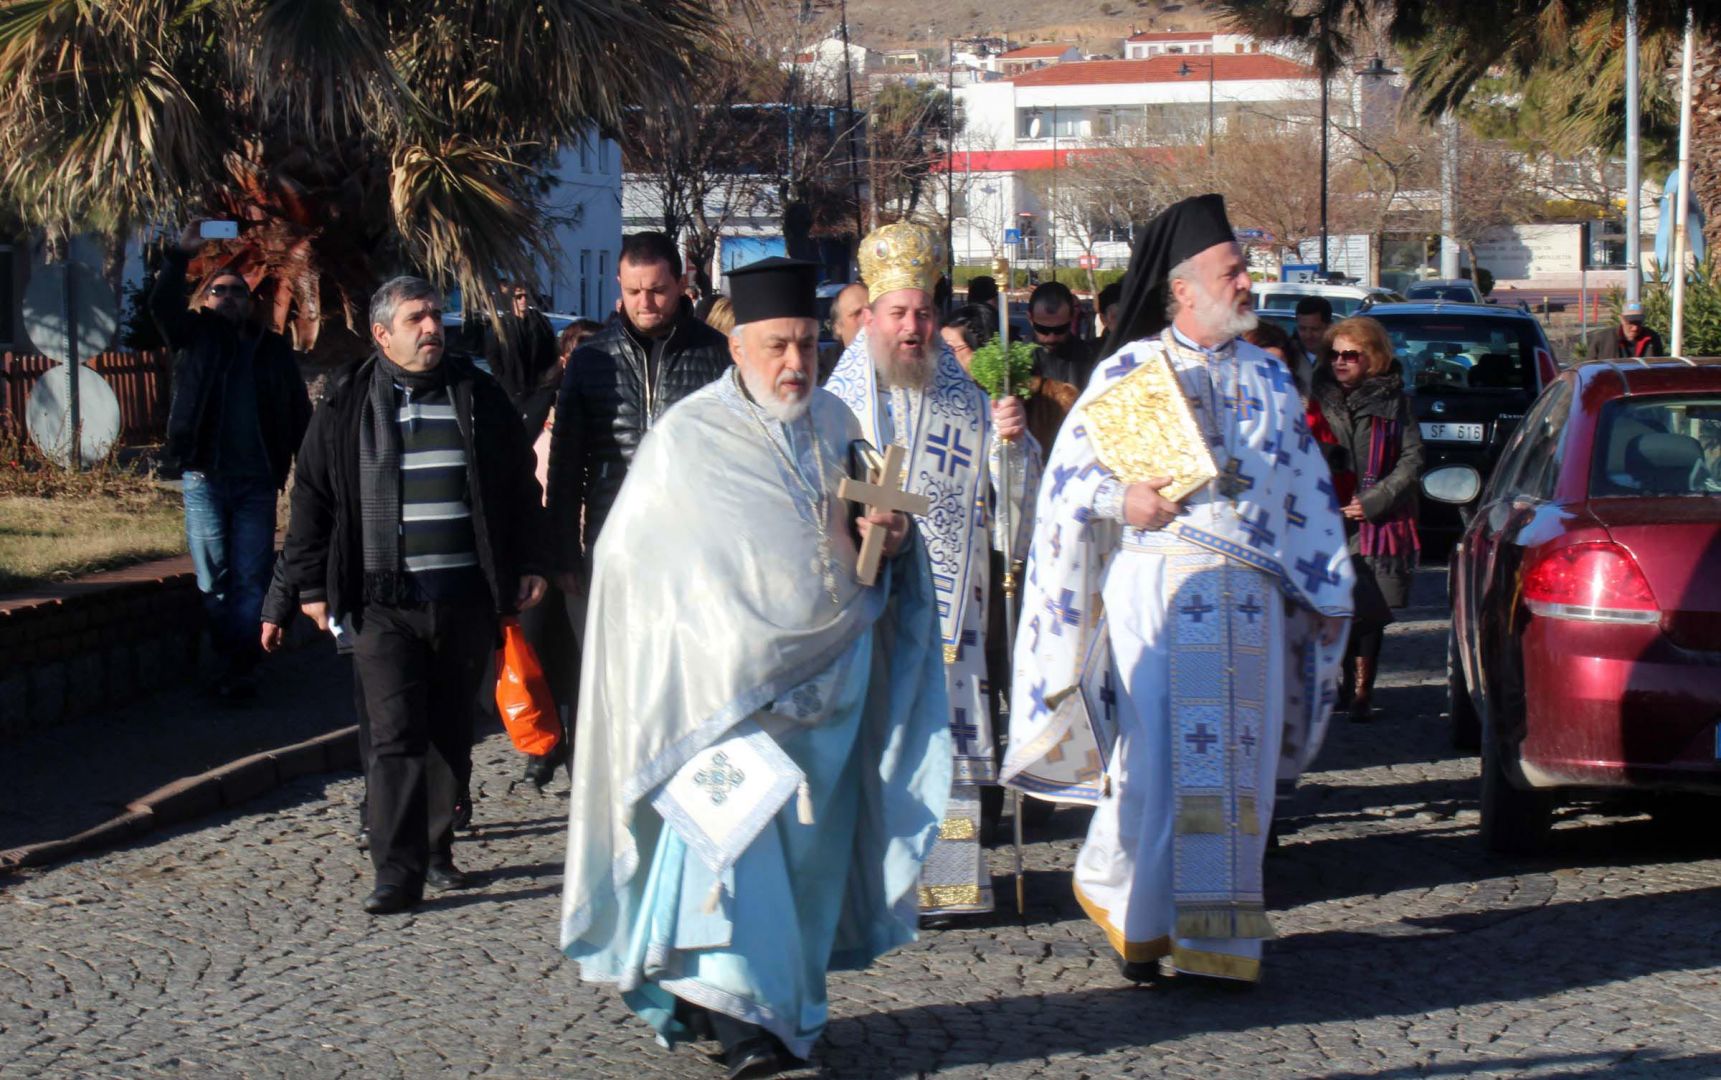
1315, 574
1201, 738
964, 734
1064, 612
948, 449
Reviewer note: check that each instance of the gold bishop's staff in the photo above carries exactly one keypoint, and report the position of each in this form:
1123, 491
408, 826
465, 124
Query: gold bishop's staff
1009, 572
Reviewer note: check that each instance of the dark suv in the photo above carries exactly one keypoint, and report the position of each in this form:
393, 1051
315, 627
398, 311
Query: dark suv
1472, 371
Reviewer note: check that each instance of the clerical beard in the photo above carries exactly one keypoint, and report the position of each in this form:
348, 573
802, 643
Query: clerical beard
1222, 318
776, 401
908, 367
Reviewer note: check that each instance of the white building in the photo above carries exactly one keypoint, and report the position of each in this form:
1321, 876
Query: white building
586, 216
1035, 57
1020, 133
1150, 43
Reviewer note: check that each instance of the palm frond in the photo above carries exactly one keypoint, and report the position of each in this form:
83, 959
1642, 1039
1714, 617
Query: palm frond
465, 215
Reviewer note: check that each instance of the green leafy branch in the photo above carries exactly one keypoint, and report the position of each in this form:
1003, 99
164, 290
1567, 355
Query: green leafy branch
990, 365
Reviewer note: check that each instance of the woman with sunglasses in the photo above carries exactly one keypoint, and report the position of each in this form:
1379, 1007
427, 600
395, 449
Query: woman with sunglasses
1359, 411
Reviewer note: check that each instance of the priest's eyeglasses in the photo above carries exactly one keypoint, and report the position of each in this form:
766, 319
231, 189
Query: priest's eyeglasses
229, 290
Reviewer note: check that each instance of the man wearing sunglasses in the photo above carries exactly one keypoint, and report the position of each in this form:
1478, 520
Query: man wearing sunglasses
238, 414
1064, 357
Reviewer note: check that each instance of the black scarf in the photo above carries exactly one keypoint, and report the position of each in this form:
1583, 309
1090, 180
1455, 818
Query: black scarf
379, 475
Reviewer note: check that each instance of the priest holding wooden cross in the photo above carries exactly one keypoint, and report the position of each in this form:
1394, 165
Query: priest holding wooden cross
764, 754
910, 394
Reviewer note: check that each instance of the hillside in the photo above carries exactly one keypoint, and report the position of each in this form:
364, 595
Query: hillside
1095, 25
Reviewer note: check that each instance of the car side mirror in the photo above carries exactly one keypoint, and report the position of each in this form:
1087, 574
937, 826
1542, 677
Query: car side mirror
1455, 484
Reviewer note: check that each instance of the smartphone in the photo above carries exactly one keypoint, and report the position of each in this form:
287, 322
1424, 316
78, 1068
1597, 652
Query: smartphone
219, 230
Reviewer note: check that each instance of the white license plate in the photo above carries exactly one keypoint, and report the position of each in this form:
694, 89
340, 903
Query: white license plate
1452, 432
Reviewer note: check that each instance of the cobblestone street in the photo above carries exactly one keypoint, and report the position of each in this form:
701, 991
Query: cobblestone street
236, 946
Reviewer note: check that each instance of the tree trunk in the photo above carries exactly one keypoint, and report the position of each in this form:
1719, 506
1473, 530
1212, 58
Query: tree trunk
1706, 136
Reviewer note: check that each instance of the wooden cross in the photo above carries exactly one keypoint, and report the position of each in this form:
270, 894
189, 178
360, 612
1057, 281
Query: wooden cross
884, 492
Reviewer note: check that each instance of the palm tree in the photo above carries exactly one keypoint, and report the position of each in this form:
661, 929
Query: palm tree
351, 137
1569, 49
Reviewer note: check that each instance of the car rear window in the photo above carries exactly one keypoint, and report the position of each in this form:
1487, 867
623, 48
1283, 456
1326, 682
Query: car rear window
1436, 293
1659, 445
1441, 354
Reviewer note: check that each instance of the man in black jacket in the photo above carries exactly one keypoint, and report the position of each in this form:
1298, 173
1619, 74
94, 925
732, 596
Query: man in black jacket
239, 410
415, 528
618, 384
520, 347
1063, 356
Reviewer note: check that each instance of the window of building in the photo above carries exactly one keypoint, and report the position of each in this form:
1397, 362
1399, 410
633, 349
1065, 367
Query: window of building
585, 282
603, 279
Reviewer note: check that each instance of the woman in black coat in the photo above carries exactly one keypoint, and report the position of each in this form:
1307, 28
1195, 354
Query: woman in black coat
1374, 447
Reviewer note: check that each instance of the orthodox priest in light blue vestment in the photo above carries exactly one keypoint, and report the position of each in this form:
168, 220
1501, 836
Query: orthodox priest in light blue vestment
764, 746
1162, 659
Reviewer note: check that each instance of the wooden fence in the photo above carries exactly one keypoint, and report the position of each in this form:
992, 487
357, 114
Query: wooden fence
140, 380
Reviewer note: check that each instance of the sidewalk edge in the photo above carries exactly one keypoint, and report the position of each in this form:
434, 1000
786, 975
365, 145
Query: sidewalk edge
191, 797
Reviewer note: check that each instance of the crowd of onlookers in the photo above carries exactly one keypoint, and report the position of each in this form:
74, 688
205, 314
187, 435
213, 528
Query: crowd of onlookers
408, 516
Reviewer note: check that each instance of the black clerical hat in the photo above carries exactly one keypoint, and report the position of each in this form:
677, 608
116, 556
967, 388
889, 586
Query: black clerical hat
774, 288
1182, 229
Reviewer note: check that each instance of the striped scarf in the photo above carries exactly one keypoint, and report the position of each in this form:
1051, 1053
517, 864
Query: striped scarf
1396, 534
379, 478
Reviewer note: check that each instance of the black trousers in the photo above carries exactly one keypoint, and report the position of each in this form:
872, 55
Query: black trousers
418, 667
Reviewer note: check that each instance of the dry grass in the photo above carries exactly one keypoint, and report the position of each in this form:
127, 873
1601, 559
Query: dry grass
56, 525
1096, 25
45, 540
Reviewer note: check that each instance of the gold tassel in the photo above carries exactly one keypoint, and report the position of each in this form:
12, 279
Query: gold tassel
804, 804
1223, 923
1248, 817
1204, 923
1200, 814
1254, 924
713, 898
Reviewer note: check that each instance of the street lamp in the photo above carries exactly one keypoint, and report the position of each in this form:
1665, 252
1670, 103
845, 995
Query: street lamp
1183, 72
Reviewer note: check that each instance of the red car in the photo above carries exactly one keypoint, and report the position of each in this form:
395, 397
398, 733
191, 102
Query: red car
1585, 649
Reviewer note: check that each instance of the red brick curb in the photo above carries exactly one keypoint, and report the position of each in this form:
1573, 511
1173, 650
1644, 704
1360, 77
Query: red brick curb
226, 786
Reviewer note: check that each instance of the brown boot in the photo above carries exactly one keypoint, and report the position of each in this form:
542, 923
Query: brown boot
1362, 698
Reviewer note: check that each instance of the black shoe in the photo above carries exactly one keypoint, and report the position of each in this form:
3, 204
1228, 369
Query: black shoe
761, 1055
541, 768
1140, 971
445, 876
389, 900
463, 812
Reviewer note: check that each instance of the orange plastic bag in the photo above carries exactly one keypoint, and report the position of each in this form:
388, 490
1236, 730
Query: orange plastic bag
523, 696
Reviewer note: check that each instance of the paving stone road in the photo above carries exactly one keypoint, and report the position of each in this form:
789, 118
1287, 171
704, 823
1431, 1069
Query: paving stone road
236, 947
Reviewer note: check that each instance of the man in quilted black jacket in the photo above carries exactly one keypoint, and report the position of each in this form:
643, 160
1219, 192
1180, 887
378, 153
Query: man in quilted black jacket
653, 353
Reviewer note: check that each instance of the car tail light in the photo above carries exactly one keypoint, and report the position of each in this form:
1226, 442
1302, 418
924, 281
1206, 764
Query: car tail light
1546, 366
1598, 582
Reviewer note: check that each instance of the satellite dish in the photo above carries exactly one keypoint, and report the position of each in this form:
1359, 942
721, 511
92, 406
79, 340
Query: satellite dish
82, 248
94, 311
45, 415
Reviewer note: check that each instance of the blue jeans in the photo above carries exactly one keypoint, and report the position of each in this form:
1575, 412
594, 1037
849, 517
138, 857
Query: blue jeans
230, 529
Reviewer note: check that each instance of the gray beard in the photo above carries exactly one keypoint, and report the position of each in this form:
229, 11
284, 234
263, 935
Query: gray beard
784, 412
1222, 320
913, 375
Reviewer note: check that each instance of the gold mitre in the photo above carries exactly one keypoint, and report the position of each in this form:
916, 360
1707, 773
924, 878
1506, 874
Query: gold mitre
901, 256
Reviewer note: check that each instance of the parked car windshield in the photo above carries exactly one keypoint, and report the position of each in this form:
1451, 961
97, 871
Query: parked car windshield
1659, 445
1443, 353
